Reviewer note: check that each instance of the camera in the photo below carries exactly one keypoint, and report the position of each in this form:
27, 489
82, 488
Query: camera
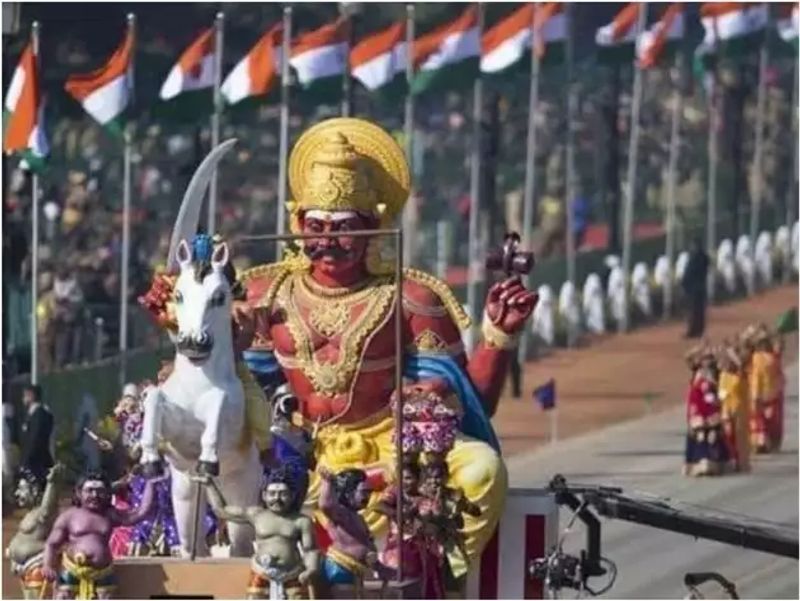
509, 258
557, 570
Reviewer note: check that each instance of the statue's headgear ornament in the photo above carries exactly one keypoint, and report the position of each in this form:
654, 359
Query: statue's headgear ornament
347, 164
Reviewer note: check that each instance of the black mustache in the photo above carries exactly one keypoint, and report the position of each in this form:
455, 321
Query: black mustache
315, 252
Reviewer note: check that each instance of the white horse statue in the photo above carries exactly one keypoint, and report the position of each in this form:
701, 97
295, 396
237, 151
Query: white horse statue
640, 289
594, 304
763, 258
744, 263
543, 322
199, 411
616, 294
569, 310
726, 265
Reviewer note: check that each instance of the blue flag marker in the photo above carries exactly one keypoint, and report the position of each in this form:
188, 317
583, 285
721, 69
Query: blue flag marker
545, 395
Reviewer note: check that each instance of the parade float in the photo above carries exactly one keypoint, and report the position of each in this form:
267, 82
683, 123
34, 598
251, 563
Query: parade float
324, 407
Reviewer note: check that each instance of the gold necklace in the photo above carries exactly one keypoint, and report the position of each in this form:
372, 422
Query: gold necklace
335, 377
315, 288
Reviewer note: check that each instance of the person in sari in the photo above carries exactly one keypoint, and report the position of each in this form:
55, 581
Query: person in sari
735, 407
766, 392
705, 447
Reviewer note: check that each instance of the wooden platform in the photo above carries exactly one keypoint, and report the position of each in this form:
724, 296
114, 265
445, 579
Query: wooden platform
216, 578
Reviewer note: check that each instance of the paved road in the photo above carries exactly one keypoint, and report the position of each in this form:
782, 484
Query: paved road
646, 456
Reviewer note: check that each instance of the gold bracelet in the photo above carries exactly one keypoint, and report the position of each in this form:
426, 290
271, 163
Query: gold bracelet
494, 337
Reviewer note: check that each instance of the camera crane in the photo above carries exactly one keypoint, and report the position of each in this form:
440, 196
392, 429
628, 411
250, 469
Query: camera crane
559, 570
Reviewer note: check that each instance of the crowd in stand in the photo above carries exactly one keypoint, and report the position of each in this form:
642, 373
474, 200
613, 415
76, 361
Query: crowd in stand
82, 190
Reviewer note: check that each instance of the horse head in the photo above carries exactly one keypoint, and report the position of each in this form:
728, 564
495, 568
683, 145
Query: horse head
203, 300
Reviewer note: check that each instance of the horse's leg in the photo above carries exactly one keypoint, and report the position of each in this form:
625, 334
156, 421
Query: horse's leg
210, 413
184, 496
151, 430
242, 488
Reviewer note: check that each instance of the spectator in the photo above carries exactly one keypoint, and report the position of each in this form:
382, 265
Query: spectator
68, 298
695, 284
37, 430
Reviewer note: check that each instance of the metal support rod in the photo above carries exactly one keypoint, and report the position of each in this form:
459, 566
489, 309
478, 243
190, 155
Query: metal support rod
758, 154
672, 174
98, 338
126, 228
791, 198
713, 163
35, 239
630, 189
442, 247
283, 156
528, 208
474, 196
408, 217
216, 117
347, 84
569, 199
398, 382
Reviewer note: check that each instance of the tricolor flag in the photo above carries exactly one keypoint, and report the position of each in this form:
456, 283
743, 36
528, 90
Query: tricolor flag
257, 72
732, 27
321, 54
450, 53
194, 69
377, 60
616, 40
652, 43
509, 42
105, 92
787, 23
24, 132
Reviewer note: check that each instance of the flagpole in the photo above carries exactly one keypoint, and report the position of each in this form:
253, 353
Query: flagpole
347, 89
790, 200
216, 118
713, 159
474, 193
408, 229
570, 166
126, 220
284, 133
674, 148
632, 160
530, 168
35, 236
758, 154
553, 425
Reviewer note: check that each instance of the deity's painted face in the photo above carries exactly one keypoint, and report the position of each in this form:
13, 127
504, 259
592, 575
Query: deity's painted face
339, 255
94, 496
278, 497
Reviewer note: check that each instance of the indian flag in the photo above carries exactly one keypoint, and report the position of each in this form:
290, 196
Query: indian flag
321, 54
257, 72
449, 54
380, 58
787, 22
194, 69
652, 43
616, 39
24, 131
509, 42
105, 92
732, 27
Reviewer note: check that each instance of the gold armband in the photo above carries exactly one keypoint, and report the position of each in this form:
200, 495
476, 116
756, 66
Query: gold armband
494, 337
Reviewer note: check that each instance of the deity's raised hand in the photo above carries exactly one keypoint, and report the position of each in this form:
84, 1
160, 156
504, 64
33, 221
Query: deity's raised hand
509, 304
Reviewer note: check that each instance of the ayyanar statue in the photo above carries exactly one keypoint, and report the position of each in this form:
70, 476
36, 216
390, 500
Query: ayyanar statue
81, 536
286, 556
325, 316
26, 549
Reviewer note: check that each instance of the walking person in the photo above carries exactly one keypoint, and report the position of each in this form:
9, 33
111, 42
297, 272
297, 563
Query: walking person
37, 429
695, 285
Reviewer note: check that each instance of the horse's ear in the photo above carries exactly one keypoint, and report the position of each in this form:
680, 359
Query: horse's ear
220, 256
183, 254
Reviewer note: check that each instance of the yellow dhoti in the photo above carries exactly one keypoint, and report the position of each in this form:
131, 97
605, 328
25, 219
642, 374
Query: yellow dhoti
475, 467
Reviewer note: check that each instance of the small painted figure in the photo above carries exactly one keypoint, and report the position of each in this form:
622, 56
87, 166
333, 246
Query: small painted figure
286, 556
83, 533
352, 554
26, 549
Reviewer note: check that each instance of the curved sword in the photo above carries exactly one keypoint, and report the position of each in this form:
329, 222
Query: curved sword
189, 215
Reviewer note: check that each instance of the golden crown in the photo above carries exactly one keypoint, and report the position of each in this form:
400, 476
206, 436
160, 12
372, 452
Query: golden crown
347, 164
